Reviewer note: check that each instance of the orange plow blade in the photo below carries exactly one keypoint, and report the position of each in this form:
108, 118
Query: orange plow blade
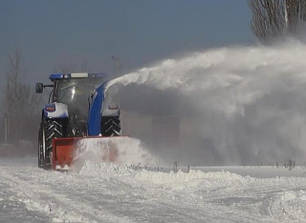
65, 149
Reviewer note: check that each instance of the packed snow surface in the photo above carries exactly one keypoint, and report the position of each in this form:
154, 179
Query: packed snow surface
118, 193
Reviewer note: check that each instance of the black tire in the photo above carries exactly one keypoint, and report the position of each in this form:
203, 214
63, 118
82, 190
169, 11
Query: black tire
110, 126
40, 155
51, 128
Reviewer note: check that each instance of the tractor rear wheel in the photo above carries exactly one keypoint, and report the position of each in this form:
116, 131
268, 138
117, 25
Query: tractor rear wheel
111, 126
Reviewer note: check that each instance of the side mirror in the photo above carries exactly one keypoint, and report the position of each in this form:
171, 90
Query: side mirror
39, 88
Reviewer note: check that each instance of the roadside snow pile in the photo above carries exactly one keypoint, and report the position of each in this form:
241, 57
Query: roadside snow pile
138, 165
97, 153
193, 179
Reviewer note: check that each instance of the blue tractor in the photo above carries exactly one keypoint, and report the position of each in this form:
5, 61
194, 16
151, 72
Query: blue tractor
78, 107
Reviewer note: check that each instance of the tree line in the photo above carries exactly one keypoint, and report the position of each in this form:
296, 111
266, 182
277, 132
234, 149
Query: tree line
272, 19
19, 102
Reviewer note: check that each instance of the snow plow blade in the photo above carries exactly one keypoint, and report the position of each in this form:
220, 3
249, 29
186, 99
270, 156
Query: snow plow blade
64, 151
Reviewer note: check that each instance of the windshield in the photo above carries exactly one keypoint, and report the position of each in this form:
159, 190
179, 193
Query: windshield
75, 93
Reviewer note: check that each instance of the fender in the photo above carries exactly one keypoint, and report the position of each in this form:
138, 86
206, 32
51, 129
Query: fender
56, 110
94, 113
99, 106
111, 110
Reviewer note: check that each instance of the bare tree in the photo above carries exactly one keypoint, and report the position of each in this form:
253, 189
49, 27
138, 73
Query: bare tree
20, 102
275, 18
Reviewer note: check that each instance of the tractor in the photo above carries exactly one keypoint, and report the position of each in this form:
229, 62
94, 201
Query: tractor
79, 106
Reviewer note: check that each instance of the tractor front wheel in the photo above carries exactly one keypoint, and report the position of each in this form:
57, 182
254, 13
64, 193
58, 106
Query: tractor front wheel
50, 128
41, 148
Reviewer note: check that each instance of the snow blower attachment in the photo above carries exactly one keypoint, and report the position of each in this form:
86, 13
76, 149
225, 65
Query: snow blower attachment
79, 108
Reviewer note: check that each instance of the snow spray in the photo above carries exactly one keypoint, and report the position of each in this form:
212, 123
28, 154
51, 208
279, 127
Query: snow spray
234, 105
128, 152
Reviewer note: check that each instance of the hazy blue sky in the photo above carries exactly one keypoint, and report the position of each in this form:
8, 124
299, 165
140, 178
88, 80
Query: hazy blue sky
139, 32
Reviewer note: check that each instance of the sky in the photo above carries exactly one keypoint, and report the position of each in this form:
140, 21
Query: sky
77, 33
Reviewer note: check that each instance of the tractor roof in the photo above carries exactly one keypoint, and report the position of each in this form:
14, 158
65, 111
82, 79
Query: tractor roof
60, 76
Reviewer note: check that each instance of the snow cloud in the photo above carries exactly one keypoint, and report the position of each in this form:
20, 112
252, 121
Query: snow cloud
233, 104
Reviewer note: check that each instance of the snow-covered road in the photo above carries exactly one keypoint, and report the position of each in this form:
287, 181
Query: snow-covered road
110, 193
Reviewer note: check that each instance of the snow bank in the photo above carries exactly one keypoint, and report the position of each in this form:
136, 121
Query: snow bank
132, 161
193, 180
